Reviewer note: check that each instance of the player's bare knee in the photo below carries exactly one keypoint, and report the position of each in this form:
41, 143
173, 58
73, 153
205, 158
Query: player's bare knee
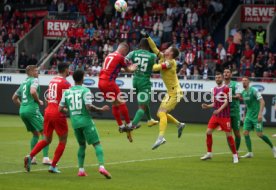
209, 132
260, 134
246, 133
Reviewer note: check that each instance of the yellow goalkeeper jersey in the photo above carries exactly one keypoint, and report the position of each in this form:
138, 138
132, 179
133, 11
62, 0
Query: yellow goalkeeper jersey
169, 76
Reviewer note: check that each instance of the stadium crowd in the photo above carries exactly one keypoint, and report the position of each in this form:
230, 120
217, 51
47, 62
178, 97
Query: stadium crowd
184, 24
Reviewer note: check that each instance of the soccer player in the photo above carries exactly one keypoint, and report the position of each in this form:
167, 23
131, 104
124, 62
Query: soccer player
220, 117
27, 97
274, 135
107, 84
144, 60
254, 116
234, 105
167, 67
78, 101
53, 119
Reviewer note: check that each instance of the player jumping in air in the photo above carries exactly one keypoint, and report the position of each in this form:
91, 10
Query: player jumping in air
141, 81
220, 117
53, 119
254, 117
234, 105
107, 84
27, 97
78, 101
167, 67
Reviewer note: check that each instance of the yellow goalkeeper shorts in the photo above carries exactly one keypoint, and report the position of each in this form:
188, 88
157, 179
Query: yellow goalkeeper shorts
170, 101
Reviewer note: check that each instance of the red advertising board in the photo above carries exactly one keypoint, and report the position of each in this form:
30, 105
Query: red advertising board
257, 13
56, 28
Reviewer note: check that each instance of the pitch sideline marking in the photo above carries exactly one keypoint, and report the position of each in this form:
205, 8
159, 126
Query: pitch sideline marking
117, 163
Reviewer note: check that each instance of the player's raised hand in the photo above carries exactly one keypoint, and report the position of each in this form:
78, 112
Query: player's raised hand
105, 108
204, 106
133, 67
144, 33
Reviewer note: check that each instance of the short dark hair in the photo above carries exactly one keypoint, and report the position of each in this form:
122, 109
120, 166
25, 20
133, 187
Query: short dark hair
144, 44
62, 67
218, 73
175, 52
228, 68
78, 75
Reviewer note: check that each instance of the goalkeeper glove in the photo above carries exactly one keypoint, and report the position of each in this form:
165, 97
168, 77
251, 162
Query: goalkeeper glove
144, 33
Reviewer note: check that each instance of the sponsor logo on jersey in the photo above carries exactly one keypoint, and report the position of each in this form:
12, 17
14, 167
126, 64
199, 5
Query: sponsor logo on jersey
88, 82
259, 87
120, 83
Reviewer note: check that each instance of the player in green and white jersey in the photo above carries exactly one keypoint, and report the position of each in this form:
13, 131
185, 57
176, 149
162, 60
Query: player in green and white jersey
78, 101
27, 97
234, 104
254, 116
144, 60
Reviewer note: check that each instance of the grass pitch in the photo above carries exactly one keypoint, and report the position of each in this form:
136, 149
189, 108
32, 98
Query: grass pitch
173, 166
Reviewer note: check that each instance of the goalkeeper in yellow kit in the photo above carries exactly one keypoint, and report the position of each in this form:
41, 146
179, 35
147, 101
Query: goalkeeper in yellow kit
167, 67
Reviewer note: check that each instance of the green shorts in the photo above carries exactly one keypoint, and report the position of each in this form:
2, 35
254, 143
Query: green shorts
235, 122
32, 120
87, 134
250, 125
143, 90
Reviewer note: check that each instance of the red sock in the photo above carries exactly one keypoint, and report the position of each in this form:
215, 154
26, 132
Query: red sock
124, 112
209, 142
58, 153
231, 143
116, 114
38, 147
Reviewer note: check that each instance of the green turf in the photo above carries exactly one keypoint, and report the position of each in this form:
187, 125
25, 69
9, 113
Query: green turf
173, 166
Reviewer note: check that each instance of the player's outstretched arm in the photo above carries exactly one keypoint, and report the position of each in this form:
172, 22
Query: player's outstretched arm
131, 68
163, 66
93, 108
16, 100
152, 45
207, 106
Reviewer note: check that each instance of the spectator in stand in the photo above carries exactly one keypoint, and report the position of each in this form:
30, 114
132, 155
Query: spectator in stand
248, 55
54, 61
259, 66
235, 71
221, 57
3, 60
108, 47
260, 37
124, 30
10, 52
96, 69
61, 6
271, 65
196, 75
234, 30
156, 39
266, 77
22, 62
192, 18
190, 58
158, 28
167, 28
205, 71
32, 60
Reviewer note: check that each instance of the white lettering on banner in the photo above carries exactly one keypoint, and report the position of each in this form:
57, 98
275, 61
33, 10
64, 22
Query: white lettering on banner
257, 13
57, 26
126, 83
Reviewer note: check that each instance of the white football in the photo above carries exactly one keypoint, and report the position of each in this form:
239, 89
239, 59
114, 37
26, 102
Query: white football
120, 5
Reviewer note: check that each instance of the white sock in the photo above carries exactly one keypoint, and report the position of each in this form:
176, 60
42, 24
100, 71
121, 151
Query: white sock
46, 158
101, 166
129, 124
122, 126
81, 169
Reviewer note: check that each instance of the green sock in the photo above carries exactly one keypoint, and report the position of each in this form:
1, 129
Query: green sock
267, 141
248, 143
45, 149
238, 142
99, 153
33, 141
81, 155
147, 112
138, 116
